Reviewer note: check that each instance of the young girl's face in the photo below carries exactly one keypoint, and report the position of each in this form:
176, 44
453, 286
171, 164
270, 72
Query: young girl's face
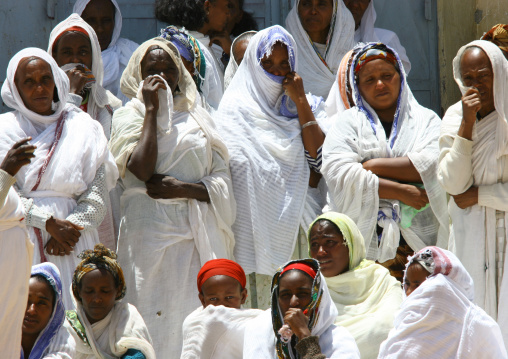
415, 276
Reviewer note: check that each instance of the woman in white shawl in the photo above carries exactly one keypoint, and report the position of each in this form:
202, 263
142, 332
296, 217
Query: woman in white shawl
65, 188
74, 46
299, 323
238, 48
378, 155
364, 14
102, 325
105, 18
324, 33
438, 318
472, 162
367, 297
270, 128
178, 205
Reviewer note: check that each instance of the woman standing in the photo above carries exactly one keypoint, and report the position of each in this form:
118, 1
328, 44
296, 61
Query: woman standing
178, 207
472, 169
65, 188
323, 30
380, 160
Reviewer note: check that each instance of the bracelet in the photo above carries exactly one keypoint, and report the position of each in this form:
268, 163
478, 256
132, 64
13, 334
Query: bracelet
310, 123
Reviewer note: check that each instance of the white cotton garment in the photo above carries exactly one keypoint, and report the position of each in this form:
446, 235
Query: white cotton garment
99, 97
368, 33
269, 171
318, 77
16, 261
117, 55
335, 341
216, 332
354, 191
122, 329
440, 320
213, 85
233, 63
181, 234
482, 163
81, 151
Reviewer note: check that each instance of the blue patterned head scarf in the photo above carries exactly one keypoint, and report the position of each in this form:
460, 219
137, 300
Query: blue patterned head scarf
364, 54
189, 49
277, 34
51, 274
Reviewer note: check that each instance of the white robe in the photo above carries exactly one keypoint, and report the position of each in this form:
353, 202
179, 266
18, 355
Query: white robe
15, 262
483, 163
368, 33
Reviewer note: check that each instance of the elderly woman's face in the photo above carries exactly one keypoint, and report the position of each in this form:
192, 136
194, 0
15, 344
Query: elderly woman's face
100, 15
327, 246
278, 62
39, 307
73, 47
476, 71
36, 85
98, 294
315, 15
158, 62
295, 290
379, 84
357, 8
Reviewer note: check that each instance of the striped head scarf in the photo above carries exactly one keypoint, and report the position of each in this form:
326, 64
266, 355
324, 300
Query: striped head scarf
499, 36
308, 266
352, 236
189, 49
374, 53
98, 258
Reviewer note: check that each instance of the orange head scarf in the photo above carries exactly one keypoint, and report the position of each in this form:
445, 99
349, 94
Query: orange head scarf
221, 267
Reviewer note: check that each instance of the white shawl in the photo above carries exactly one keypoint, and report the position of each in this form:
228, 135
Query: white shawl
439, 320
216, 332
118, 53
473, 236
317, 76
233, 63
268, 165
368, 33
335, 341
122, 329
99, 97
354, 191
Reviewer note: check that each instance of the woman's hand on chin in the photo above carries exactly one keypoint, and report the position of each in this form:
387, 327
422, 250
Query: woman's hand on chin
163, 187
298, 322
293, 85
151, 86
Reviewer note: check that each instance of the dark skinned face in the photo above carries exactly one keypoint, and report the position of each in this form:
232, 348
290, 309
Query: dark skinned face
100, 15
158, 62
39, 307
73, 47
415, 276
476, 71
357, 8
222, 290
36, 85
315, 15
295, 290
327, 245
278, 62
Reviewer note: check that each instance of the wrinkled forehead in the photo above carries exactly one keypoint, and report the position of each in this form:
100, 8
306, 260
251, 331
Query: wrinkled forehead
474, 57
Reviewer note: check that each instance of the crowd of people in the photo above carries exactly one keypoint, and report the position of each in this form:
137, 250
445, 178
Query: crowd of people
368, 226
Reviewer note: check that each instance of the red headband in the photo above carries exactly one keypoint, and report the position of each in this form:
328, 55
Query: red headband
73, 28
221, 267
300, 266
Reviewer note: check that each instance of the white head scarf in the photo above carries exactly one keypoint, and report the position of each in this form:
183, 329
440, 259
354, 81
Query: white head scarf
99, 96
439, 319
233, 63
500, 70
12, 98
318, 77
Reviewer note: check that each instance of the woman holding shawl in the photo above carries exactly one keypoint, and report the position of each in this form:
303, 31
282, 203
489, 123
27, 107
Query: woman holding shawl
103, 326
65, 187
178, 206
438, 318
105, 18
380, 160
299, 323
44, 328
472, 169
324, 31
365, 294
270, 128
